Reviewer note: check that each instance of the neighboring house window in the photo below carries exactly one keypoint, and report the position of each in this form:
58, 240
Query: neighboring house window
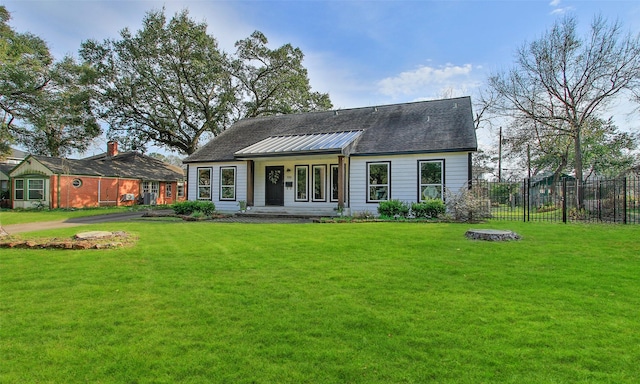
19, 189
319, 182
334, 182
431, 179
35, 189
77, 183
150, 187
4, 189
302, 183
180, 189
227, 183
378, 181
168, 192
204, 183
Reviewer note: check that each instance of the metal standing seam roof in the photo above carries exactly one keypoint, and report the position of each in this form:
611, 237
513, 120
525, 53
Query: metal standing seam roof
295, 144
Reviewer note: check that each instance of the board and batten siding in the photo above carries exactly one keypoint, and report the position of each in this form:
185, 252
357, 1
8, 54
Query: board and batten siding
221, 205
404, 177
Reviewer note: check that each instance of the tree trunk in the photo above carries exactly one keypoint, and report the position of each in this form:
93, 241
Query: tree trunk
578, 169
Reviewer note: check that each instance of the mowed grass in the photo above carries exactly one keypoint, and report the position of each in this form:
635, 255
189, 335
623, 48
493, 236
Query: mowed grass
326, 303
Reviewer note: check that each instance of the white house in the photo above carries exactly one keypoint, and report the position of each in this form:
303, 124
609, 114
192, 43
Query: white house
354, 158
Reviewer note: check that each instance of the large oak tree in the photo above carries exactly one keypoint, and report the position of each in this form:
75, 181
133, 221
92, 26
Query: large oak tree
167, 84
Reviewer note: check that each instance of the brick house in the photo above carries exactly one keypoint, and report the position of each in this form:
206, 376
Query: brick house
109, 179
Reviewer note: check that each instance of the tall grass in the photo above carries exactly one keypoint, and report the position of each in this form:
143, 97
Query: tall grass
326, 303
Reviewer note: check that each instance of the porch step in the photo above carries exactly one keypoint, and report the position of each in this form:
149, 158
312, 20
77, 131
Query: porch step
289, 212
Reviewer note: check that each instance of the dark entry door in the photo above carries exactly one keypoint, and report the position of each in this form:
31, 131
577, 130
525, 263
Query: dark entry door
274, 185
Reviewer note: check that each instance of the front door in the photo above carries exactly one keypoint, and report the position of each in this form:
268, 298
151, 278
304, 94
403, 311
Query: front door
274, 185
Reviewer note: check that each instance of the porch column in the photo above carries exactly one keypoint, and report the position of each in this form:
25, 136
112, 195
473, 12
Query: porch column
341, 181
250, 169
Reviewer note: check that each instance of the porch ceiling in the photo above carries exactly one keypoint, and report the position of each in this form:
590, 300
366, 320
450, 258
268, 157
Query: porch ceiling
333, 142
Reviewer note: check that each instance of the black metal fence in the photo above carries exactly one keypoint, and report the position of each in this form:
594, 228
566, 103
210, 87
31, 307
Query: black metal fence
566, 200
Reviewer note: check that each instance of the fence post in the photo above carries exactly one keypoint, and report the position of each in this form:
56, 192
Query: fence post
624, 201
564, 200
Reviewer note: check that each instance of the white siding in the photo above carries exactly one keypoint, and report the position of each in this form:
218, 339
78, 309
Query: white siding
221, 205
404, 177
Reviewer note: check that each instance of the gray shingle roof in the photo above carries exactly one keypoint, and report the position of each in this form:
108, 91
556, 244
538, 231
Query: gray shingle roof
428, 126
127, 164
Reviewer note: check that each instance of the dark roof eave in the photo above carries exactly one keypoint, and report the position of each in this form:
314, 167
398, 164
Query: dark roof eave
416, 152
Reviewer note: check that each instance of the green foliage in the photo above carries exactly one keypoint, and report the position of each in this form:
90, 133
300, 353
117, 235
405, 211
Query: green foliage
170, 84
45, 106
189, 207
432, 208
393, 208
272, 81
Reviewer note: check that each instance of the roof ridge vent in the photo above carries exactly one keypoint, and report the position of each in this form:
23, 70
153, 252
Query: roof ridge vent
336, 112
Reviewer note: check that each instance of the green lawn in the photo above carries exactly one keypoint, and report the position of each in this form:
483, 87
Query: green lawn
326, 303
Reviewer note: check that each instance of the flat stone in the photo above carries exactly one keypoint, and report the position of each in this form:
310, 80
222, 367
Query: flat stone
491, 235
92, 235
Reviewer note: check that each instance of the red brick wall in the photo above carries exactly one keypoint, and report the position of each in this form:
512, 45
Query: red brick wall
94, 191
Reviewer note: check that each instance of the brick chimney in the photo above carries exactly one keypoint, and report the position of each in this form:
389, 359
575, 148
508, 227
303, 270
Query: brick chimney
112, 148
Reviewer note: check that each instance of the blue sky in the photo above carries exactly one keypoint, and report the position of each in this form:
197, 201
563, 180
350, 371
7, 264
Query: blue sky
362, 53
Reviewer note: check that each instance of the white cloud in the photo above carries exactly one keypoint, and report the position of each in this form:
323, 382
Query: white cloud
425, 80
554, 3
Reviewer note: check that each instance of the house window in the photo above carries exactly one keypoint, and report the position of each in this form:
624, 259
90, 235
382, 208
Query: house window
35, 189
77, 183
150, 187
19, 189
168, 190
180, 188
378, 181
4, 189
204, 183
302, 183
431, 179
319, 182
227, 183
334, 182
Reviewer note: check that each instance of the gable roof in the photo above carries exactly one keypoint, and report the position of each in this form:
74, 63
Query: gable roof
420, 127
127, 164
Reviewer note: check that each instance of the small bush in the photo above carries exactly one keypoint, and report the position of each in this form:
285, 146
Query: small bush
431, 208
189, 207
393, 208
468, 204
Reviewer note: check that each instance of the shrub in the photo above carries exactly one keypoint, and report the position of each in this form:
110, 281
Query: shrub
469, 204
188, 207
431, 208
393, 208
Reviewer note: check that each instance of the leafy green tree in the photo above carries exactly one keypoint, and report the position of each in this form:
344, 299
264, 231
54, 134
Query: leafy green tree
167, 84
45, 106
272, 81
562, 81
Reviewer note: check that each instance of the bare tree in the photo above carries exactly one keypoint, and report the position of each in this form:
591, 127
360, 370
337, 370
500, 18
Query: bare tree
561, 81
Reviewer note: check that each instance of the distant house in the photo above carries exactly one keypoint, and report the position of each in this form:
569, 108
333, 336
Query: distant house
110, 179
6, 165
353, 159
